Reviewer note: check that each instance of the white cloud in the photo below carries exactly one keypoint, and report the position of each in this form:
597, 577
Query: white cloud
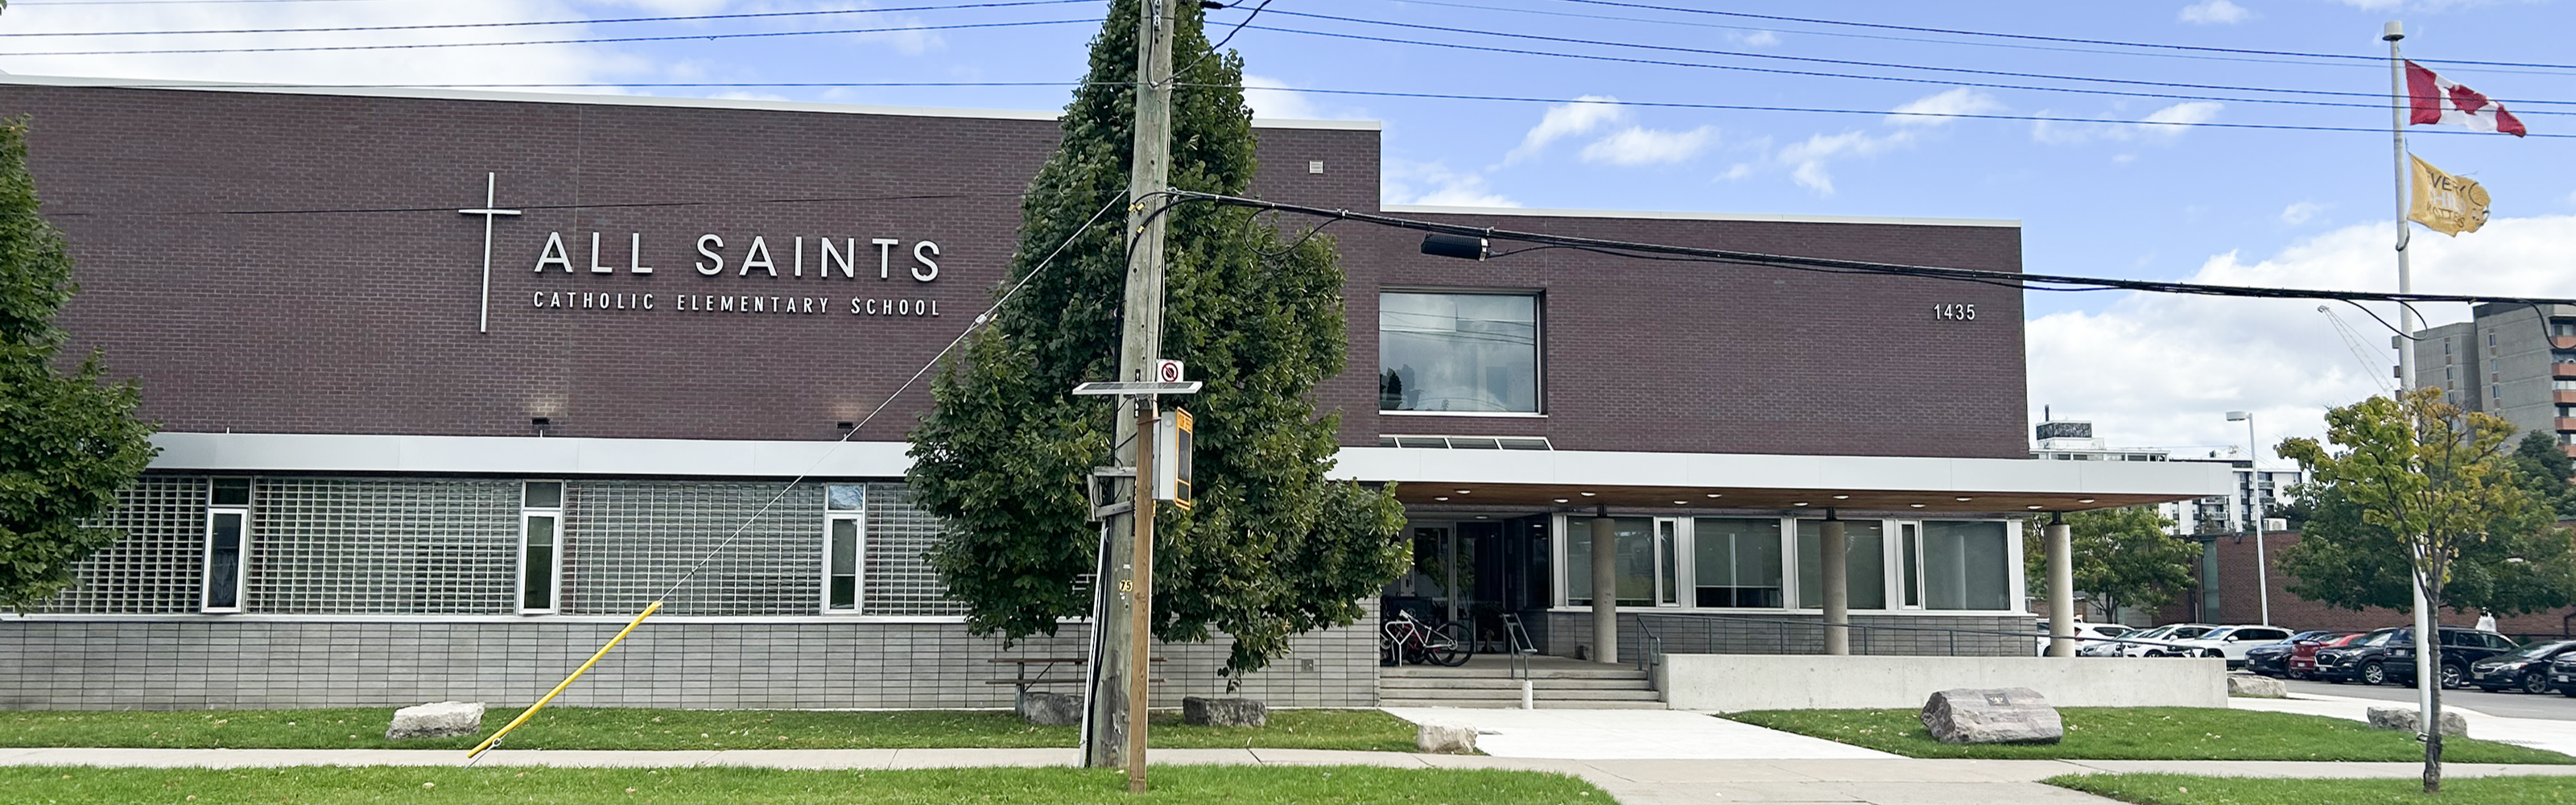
1585, 115
2186, 360
1807, 160
1933, 110
2160, 126
1643, 146
1273, 99
2217, 12
1756, 39
1403, 181
2301, 212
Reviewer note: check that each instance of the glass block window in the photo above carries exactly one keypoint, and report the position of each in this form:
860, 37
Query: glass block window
899, 579
625, 543
158, 566
351, 546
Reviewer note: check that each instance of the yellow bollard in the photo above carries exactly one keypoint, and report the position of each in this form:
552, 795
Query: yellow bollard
576, 674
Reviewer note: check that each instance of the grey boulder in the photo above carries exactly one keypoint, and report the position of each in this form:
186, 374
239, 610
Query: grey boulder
1445, 739
1224, 712
1051, 709
1992, 716
436, 720
2405, 718
2256, 687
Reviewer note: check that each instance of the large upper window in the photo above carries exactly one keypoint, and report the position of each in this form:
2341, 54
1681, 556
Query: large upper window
1459, 352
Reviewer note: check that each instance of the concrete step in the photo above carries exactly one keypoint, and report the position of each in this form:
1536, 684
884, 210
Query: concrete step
1515, 702
1501, 683
1504, 672
1515, 694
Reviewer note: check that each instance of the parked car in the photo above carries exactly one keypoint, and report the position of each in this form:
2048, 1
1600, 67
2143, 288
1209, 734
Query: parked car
2356, 660
2273, 659
2526, 670
2460, 648
2083, 629
2303, 651
2229, 642
2562, 674
2159, 641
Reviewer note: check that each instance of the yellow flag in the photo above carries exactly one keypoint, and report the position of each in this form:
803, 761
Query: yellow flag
2447, 204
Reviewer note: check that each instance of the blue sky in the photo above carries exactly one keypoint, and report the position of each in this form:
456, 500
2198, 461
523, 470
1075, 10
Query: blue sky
2098, 194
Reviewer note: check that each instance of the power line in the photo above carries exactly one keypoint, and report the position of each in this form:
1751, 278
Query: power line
1972, 116
560, 41
1886, 38
584, 206
2071, 40
1810, 59
2008, 279
459, 25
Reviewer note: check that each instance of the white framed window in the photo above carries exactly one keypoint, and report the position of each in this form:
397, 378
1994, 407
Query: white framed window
1719, 562
227, 544
540, 547
844, 546
1459, 352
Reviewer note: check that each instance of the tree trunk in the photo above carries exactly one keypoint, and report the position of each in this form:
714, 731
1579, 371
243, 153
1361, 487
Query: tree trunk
2433, 737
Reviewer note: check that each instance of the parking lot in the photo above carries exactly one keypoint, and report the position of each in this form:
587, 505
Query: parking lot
2509, 705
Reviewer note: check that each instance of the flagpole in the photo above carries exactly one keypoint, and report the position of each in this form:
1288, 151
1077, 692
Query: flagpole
2425, 681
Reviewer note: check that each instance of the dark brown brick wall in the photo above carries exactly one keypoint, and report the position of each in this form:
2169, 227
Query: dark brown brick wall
238, 317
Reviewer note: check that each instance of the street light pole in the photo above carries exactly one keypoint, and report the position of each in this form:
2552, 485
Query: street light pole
2254, 507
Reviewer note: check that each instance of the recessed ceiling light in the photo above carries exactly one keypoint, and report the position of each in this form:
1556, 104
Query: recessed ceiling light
1800, 503
1480, 517
2083, 500
1559, 500
1842, 497
1681, 503
1915, 505
1716, 495
1588, 494
2034, 507
1963, 500
1440, 497
1465, 491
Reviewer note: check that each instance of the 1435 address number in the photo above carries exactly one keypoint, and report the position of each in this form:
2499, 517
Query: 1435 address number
1955, 312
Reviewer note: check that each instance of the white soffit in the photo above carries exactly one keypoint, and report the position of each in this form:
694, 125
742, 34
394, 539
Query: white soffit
1761, 471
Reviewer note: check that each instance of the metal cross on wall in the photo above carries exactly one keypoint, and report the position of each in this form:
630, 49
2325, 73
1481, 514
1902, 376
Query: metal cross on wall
491, 183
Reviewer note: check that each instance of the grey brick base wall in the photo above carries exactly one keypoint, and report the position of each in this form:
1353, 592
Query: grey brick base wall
192, 663
1689, 634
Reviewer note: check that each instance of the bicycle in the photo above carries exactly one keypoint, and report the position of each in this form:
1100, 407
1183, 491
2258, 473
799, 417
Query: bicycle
1407, 639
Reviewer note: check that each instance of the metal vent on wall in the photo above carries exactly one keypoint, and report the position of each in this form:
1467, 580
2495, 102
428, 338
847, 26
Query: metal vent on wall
1467, 442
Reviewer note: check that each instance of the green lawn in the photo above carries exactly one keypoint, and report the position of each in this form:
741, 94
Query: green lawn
2152, 733
1248, 785
2179, 789
638, 728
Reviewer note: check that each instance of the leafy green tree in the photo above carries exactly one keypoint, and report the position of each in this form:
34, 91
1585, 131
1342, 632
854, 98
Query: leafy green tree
2123, 557
71, 439
1273, 548
2543, 468
2433, 477
2341, 560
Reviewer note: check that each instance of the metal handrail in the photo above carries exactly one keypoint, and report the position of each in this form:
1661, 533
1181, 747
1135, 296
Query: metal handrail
1516, 642
1650, 647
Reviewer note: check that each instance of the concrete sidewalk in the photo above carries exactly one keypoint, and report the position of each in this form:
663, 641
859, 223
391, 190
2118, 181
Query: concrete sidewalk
1897, 781
2538, 733
1630, 734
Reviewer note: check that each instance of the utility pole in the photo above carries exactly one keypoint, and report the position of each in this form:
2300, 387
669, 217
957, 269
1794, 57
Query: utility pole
1114, 730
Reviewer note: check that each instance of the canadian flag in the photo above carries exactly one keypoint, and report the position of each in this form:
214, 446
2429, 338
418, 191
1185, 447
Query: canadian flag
2437, 100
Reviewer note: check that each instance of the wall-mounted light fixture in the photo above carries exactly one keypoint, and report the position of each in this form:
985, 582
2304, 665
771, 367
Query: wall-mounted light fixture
540, 424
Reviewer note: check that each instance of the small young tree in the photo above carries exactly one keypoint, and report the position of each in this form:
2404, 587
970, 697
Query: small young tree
1273, 548
2434, 477
70, 439
2123, 557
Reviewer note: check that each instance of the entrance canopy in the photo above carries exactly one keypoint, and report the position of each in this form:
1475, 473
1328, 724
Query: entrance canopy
1551, 478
